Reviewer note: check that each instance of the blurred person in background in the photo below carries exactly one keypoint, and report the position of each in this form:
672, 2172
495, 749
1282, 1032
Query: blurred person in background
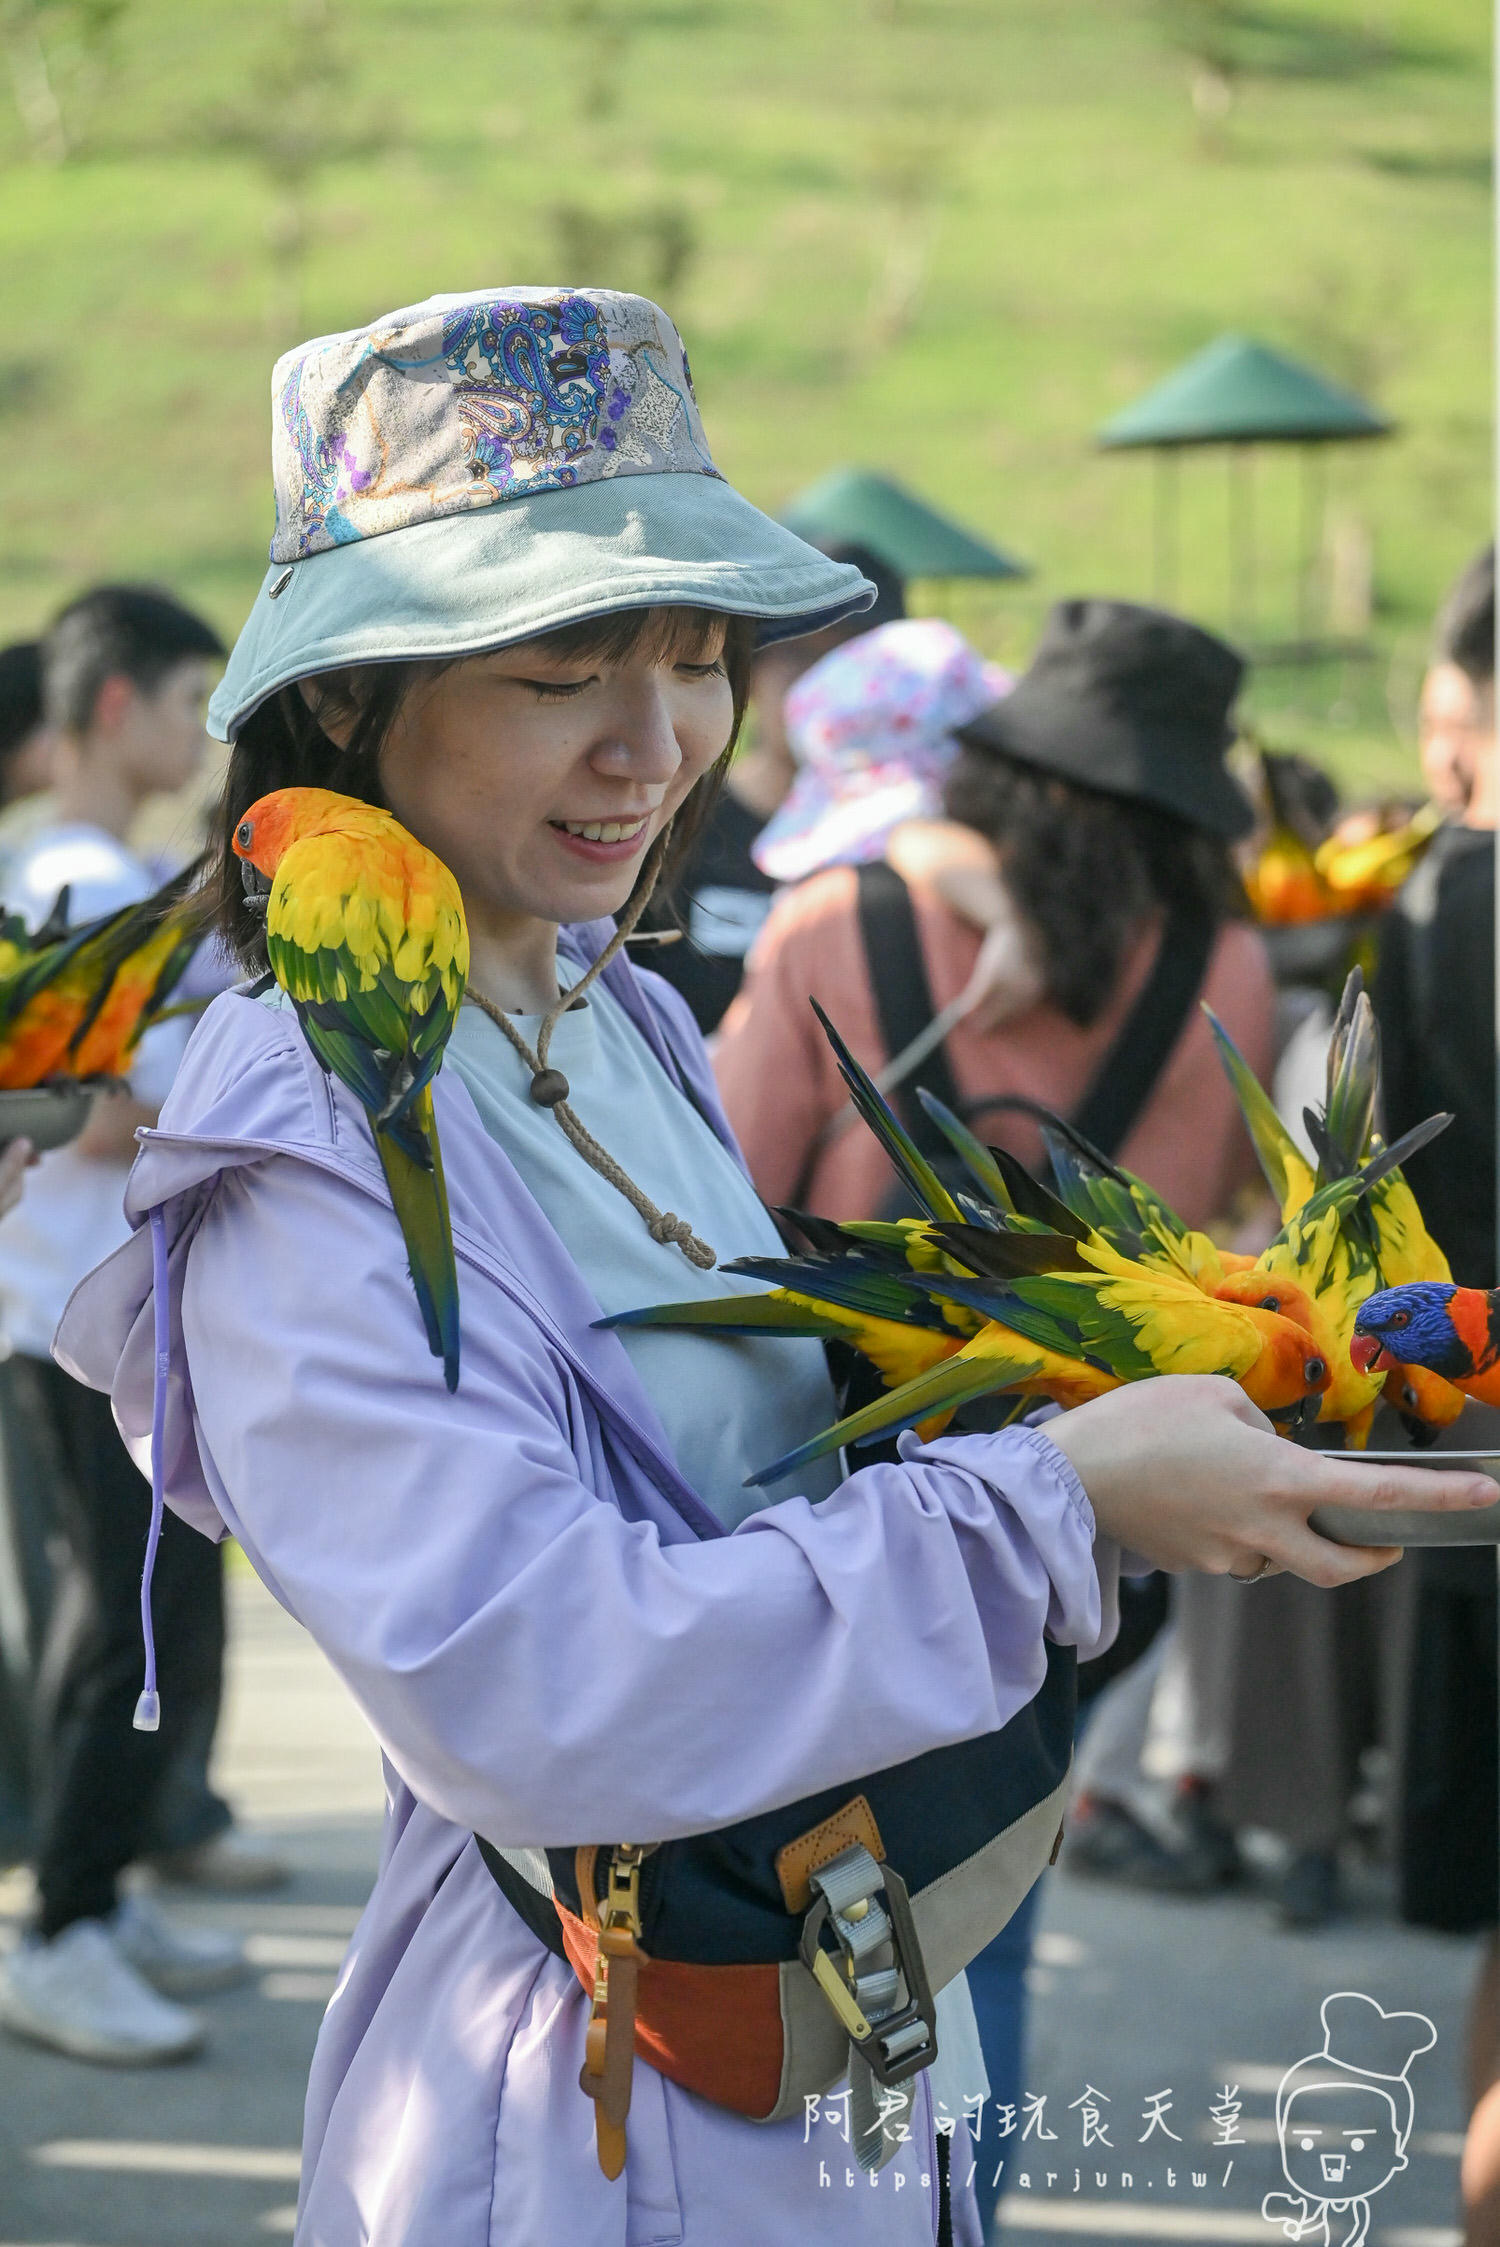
1077, 900
1092, 808
1435, 999
25, 770
125, 677
721, 895
26, 740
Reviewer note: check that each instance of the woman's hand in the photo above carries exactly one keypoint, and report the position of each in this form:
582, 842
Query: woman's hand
1187, 1472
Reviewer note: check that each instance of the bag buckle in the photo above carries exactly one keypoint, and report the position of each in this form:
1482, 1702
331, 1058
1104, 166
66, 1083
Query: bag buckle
878, 1956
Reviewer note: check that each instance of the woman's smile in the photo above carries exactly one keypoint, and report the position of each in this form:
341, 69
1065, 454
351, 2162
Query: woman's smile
603, 842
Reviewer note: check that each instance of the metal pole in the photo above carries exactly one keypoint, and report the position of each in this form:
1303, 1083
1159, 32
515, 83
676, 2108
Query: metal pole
1164, 526
1310, 539
1242, 539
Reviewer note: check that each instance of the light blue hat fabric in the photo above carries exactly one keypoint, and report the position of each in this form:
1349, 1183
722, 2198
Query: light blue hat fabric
476, 470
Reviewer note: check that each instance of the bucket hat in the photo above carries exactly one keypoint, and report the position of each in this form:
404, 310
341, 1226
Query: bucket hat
478, 469
872, 727
1133, 702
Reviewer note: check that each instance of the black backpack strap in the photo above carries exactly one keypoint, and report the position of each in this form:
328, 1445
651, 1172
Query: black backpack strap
1124, 1080
903, 998
1129, 1072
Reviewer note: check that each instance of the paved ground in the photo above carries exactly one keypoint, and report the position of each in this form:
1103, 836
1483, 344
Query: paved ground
1133, 1997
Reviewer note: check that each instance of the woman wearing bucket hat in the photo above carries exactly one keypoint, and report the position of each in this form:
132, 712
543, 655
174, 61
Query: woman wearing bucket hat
505, 601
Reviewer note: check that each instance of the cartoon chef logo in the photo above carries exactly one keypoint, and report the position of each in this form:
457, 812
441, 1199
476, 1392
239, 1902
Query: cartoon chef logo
1343, 2118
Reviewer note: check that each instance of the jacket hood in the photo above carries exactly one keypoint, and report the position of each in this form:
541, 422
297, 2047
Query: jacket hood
251, 1091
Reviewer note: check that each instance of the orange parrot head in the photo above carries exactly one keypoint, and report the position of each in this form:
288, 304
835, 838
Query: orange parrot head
1264, 1291
1291, 1371
269, 828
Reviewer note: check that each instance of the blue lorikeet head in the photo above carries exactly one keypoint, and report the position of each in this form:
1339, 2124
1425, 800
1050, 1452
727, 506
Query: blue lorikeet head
1411, 1325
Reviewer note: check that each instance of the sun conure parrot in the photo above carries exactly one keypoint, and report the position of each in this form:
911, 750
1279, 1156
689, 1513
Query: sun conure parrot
1067, 1334
75, 1002
1368, 873
1453, 1332
365, 933
1381, 1240
1063, 1314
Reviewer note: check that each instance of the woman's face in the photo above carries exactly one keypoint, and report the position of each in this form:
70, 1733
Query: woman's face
541, 780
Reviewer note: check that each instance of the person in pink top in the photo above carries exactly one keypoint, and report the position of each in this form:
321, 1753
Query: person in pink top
1097, 788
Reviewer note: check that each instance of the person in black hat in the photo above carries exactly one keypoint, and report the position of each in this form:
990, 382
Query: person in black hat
720, 897
1098, 789
1134, 704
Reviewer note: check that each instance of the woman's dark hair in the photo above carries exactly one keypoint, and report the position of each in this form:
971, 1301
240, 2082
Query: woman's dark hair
1085, 868
283, 744
1465, 632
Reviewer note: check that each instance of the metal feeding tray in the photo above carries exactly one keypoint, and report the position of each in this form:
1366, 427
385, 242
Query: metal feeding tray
1352, 1525
49, 1115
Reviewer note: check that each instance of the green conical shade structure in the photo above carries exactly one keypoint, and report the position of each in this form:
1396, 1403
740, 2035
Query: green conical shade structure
854, 507
1235, 392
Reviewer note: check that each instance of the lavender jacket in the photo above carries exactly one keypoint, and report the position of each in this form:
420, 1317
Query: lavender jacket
551, 1636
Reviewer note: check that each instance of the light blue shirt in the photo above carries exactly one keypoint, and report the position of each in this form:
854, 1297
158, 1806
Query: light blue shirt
729, 1403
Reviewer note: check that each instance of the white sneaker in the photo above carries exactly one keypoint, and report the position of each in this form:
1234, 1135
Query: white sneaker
180, 1961
80, 1996
234, 1862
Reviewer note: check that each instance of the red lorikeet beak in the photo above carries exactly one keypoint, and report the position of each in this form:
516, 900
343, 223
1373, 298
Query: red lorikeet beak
1370, 1354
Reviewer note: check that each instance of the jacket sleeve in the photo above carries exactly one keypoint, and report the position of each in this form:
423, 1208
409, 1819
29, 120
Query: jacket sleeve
538, 1666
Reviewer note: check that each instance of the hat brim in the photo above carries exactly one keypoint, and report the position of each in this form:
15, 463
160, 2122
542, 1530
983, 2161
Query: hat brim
494, 575
1117, 760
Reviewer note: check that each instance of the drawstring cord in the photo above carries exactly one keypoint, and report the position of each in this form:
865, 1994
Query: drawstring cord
549, 1087
148, 1708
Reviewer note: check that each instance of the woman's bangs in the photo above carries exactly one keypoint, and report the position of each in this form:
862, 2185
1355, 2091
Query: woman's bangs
659, 635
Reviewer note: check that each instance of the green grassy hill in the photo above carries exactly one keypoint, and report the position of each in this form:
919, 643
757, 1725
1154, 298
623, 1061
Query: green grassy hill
946, 237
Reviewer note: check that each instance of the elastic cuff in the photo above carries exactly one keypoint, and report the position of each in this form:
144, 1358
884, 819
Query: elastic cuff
1035, 1440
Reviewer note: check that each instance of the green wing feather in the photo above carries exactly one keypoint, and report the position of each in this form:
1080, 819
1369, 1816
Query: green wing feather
736, 1314
419, 1194
1286, 1168
976, 1158
853, 1282
910, 1165
1342, 1133
956, 1381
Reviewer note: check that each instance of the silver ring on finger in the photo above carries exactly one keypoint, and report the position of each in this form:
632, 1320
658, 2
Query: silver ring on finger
1255, 1575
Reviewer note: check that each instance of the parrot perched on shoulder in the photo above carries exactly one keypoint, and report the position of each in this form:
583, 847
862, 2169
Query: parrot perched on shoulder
365, 933
75, 1002
1453, 1332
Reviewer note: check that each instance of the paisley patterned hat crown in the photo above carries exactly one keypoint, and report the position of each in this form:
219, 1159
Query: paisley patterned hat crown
463, 402
477, 469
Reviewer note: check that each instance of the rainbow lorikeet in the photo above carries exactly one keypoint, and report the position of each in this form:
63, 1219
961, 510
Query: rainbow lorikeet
1453, 1332
75, 1002
365, 933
